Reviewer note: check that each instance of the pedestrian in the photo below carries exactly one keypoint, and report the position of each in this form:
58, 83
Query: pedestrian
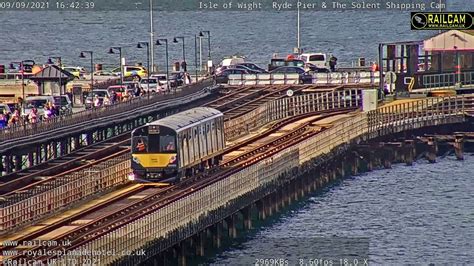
113, 97
3, 122
14, 119
33, 116
96, 101
48, 113
106, 100
187, 78
332, 63
184, 66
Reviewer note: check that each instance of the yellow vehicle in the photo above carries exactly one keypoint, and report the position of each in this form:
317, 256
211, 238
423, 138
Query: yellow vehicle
78, 72
132, 71
178, 145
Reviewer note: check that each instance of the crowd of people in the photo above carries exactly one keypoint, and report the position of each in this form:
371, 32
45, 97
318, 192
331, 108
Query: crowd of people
14, 118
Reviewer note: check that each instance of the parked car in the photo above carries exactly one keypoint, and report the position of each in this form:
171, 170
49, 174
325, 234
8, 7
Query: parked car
253, 67
250, 71
118, 89
38, 102
305, 77
151, 85
64, 103
280, 62
4, 108
89, 102
177, 79
223, 77
311, 67
161, 79
131, 71
78, 72
104, 73
226, 62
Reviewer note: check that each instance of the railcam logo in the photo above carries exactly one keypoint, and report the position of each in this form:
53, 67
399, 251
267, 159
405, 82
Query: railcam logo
442, 20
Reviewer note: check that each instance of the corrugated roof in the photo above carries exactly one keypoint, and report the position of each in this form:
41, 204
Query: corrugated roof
184, 119
52, 72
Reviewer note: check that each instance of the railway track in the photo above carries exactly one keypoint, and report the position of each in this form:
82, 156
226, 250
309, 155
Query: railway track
102, 221
79, 159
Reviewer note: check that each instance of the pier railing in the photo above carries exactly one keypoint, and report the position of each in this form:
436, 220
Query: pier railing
290, 106
356, 77
162, 226
446, 80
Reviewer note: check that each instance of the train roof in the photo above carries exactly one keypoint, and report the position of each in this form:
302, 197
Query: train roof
187, 118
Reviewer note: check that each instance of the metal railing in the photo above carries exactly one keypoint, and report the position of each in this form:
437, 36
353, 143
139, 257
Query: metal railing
290, 106
445, 81
355, 77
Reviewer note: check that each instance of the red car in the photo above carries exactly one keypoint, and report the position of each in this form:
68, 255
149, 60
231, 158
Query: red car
118, 89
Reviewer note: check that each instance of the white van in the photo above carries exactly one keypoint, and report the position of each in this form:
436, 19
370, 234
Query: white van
235, 60
320, 60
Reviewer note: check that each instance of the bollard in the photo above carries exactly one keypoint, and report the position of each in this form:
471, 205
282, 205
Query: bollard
459, 146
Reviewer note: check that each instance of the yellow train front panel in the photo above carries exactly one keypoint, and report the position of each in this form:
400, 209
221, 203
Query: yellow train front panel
156, 160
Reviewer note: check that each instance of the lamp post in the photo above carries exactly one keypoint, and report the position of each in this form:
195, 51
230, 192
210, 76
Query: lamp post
22, 71
201, 34
152, 57
195, 58
82, 55
50, 62
175, 40
147, 44
167, 70
112, 51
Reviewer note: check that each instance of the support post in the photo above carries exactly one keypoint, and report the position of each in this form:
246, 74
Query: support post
247, 214
432, 149
232, 230
408, 152
459, 146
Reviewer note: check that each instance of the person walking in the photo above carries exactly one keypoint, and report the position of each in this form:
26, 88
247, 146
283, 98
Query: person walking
106, 100
332, 63
33, 116
96, 101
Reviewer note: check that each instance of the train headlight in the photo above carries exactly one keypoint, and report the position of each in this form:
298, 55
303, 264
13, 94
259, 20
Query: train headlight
172, 160
131, 177
136, 160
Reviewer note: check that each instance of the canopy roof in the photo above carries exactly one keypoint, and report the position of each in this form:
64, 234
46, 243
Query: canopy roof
52, 72
452, 40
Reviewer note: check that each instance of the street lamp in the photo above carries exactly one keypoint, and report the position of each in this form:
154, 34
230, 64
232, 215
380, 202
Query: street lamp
82, 55
201, 34
167, 70
147, 44
195, 57
112, 51
22, 71
175, 40
50, 62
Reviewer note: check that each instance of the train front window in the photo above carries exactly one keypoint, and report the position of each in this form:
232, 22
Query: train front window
139, 144
167, 143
